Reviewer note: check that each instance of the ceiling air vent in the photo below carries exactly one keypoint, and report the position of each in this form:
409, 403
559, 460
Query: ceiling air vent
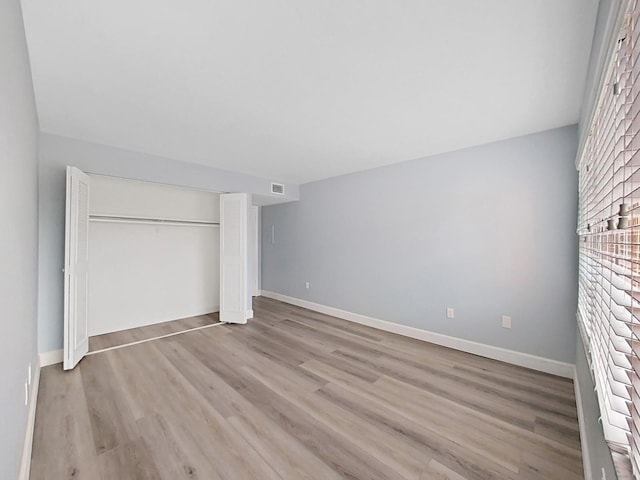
277, 188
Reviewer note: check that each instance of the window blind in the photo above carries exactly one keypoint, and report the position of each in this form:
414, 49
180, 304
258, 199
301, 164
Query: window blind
609, 243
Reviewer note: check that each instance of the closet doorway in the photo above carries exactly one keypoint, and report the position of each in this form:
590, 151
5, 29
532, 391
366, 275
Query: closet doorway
144, 257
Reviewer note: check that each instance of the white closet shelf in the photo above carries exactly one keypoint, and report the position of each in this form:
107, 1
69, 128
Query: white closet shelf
150, 221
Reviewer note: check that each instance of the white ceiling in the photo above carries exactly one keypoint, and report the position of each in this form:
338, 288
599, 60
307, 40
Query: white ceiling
301, 90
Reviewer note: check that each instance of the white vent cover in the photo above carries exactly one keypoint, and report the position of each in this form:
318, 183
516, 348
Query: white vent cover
277, 188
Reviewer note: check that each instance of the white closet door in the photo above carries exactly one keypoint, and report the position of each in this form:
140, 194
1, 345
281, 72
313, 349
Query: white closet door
76, 340
255, 236
233, 258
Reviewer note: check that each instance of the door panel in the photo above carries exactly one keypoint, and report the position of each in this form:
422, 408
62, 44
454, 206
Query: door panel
76, 340
233, 257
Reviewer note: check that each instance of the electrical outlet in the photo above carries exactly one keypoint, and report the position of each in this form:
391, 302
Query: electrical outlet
29, 373
26, 392
307, 285
450, 313
603, 476
506, 321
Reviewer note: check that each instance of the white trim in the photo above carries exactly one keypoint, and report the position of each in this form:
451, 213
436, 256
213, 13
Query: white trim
510, 356
25, 466
584, 438
51, 358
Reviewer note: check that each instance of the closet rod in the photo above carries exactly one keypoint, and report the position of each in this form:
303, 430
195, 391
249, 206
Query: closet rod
150, 221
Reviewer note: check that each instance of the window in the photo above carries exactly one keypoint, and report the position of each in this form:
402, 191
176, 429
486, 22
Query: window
609, 242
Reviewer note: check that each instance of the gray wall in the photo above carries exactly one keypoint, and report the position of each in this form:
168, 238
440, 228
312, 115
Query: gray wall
488, 230
18, 235
58, 152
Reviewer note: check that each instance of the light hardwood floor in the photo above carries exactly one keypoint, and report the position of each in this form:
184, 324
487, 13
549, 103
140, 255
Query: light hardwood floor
123, 337
299, 395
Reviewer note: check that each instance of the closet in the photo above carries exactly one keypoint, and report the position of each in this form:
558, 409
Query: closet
140, 253
154, 253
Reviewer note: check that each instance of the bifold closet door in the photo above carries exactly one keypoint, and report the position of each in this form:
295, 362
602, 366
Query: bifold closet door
76, 339
234, 286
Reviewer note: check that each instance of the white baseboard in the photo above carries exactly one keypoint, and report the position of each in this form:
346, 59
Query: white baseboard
248, 314
584, 439
527, 360
51, 358
25, 466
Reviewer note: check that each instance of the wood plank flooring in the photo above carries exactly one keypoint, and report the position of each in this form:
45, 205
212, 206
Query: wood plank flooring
299, 395
123, 337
